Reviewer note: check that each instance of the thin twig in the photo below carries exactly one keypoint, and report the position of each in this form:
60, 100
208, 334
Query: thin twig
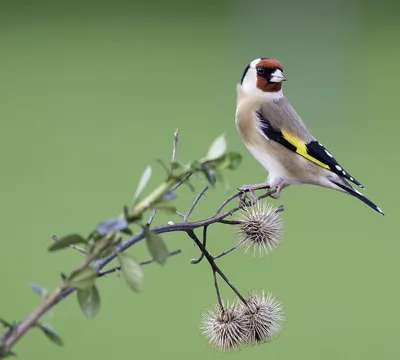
175, 145
228, 200
226, 252
174, 150
196, 261
213, 265
180, 214
116, 268
195, 202
220, 303
230, 222
151, 217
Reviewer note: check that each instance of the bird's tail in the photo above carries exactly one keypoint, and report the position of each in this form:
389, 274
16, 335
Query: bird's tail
349, 189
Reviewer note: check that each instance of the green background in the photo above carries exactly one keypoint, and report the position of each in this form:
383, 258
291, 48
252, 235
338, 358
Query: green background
90, 93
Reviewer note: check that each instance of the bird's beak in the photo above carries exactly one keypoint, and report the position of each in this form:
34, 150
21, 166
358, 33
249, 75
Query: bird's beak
277, 76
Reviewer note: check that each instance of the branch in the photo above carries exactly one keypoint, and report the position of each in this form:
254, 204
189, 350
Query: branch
111, 244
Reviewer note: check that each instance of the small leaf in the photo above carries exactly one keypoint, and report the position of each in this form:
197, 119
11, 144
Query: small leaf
162, 163
221, 179
38, 290
235, 160
175, 165
163, 206
83, 279
110, 225
51, 334
89, 301
142, 182
66, 241
169, 195
189, 185
131, 272
210, 175
5, 354
156, 245
127, 231
217, 148
6, 324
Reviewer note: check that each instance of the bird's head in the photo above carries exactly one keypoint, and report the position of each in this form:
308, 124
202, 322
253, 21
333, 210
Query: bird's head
263, 76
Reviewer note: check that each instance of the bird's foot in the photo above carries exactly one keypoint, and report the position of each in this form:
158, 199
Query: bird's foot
251, 190
276, 195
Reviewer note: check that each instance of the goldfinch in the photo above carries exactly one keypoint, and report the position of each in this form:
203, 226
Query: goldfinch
277, 137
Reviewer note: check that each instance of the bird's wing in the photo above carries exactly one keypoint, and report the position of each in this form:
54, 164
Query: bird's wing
280, 123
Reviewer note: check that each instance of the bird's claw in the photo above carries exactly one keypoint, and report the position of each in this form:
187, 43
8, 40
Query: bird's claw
250, 189
276, 195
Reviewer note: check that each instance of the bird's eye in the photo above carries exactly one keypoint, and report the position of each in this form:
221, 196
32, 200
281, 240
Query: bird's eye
260, 70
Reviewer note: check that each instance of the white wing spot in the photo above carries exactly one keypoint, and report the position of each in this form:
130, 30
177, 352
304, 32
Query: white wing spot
358, 192
343, 172
320, 144
338, 167
328, 153
379, 209
351, 178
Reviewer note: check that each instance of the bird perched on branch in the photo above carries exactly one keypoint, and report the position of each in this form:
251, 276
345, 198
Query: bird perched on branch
277, 137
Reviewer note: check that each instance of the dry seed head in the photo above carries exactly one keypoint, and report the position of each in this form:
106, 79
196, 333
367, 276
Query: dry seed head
264, 314
225, 328
260, 228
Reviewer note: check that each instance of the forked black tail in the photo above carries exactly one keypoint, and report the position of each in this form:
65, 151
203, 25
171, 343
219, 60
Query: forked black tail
359, 196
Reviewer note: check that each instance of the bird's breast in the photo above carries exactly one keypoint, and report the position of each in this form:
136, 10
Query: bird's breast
265, 151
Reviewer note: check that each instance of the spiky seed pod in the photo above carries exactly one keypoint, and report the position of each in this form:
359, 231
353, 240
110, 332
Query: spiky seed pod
260, 228
225, 328
264, 314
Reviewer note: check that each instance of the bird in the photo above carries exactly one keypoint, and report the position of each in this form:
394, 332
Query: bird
278, 138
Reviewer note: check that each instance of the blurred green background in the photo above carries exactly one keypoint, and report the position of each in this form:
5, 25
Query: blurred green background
90, 93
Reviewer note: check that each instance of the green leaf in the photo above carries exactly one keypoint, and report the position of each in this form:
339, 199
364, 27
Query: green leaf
66, 241
156, 245
51, 334
209, 175
221, 179
83, 279
163, 206
131, 272
6, 354
217, 148
127, 231
6, 324
89, 301
235, 160
142, 182
162, 163
175, 165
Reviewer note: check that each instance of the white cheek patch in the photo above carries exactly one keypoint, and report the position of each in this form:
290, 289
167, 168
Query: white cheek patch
250, 82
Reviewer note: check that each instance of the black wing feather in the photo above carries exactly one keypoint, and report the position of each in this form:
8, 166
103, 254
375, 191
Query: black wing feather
318, 151
314, 149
